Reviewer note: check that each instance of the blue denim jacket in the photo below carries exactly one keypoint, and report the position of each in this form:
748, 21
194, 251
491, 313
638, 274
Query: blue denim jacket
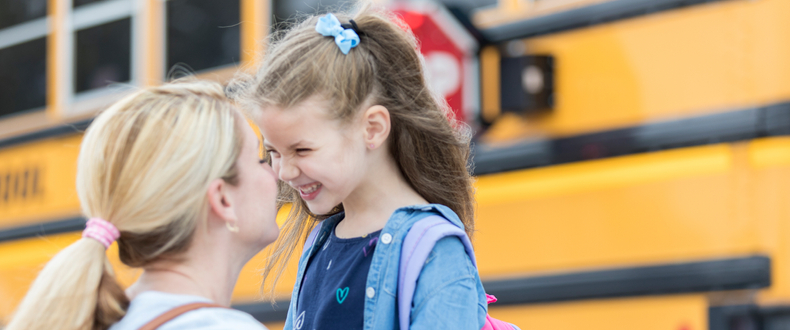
449, 294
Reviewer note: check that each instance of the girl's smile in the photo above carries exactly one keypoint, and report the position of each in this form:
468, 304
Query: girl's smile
310, 191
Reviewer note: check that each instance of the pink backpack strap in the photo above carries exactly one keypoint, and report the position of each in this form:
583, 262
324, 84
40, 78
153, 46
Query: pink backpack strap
308, 243
417, 245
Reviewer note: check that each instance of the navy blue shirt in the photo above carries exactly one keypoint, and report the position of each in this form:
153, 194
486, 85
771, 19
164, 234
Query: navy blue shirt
332, 295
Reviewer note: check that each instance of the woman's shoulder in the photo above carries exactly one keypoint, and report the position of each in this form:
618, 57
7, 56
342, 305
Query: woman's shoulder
148, 305
214, 319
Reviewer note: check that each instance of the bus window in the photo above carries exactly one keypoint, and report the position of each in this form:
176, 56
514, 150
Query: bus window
78, 3
103, 55
23, 76
202, 34
285, 10
23, 51
13, 12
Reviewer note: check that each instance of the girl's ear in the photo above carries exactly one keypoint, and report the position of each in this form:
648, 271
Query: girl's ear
376, 123
220, 202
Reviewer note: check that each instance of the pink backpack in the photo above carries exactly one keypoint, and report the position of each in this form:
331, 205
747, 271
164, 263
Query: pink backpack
417, 245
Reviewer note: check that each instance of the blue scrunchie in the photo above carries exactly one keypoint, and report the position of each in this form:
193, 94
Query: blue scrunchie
329, 26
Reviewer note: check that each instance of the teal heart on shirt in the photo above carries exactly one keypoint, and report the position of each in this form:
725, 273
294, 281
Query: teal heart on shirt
341, 295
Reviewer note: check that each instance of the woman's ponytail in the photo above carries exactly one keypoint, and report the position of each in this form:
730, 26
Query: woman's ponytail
111, 301
144, 166
76, 290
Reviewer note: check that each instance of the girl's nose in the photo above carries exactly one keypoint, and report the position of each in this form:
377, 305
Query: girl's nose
288, 171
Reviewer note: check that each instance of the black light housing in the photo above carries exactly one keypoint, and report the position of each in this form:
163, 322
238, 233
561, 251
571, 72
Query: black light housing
527, 83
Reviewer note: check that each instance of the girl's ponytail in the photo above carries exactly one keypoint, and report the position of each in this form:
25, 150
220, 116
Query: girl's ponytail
75, 290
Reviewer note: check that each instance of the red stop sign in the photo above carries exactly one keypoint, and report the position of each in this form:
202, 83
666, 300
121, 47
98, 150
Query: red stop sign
449, 52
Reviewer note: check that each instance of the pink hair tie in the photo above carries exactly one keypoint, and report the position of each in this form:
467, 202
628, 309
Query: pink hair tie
102, 231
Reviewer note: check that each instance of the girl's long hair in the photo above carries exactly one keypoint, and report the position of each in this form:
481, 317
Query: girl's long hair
429, 146
144, 165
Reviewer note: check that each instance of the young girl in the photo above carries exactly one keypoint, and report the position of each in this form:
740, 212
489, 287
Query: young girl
173, 174
364, 150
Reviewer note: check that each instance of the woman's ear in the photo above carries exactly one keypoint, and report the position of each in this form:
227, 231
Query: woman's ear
376, 123
220, 202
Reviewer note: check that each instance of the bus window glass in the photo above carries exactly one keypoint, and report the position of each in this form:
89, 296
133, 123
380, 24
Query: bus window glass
462, 9
78, 3
103, 55
13, 12
285, 10
23, 76
203, 34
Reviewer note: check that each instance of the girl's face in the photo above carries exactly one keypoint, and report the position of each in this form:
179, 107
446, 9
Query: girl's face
255, 195
319, 156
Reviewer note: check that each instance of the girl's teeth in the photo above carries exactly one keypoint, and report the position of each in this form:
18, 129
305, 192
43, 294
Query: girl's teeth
310, 189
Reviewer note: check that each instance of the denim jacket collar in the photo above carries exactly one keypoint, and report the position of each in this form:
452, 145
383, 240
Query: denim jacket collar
401, 217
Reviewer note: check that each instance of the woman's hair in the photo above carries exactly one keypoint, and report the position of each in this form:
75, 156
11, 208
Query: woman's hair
144, 165
429, 146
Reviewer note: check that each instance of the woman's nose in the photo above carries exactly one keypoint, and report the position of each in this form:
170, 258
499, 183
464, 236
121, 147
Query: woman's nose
271, 170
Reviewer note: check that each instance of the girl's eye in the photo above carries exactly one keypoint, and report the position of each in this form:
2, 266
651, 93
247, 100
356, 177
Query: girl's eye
302, 150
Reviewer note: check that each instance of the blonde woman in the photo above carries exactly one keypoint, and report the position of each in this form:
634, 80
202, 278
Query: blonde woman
173, 174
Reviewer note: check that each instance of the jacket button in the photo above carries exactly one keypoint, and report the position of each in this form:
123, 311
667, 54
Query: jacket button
370, 292
386, 238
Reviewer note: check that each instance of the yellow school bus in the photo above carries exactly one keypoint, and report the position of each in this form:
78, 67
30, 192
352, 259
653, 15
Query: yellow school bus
635, 171
631, 156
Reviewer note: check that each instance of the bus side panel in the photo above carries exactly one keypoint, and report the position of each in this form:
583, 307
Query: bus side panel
769, 195
653, 208
700, 203
37, 181
714, 57
686, 312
